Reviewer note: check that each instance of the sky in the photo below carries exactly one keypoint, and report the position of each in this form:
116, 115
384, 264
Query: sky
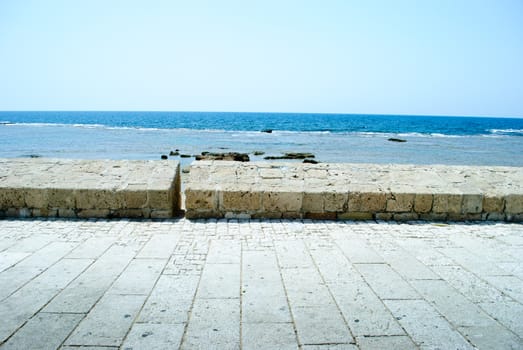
430, 57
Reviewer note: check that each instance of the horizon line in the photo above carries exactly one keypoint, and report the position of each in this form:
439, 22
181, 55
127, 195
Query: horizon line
266, 112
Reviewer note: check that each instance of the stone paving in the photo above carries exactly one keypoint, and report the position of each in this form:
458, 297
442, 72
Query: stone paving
279, 284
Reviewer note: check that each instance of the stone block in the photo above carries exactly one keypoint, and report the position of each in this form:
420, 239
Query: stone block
493, 204
66, 213
355, 216
61, 198
472, 204
422, 202
35, 197
335, 201
312, 202
384, 216
493, 216
239, 201
200, 199
135, 199
282, 201
447, 203
433, 216
292, 215
93, 213
161, 214
367, 201
160, 199
97, 199
267, 215
400, 202
202, 214
321, 216
406, 216
11, 198
514, 204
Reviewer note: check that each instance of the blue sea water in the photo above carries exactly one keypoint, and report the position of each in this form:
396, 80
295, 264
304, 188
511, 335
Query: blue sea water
331, 137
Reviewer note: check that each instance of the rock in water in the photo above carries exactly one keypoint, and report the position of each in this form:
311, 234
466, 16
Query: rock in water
310, 161
292, 156
393, 139
174, 153
268, 131
239, 157
164, 156
185, 155
258, 153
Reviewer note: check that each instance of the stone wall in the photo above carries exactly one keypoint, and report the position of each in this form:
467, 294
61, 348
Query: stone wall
89, 188
354, 191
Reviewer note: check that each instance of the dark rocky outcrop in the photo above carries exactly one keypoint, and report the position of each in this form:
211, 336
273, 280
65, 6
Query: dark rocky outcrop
258, 153
164, 156
267, 131
393, 139
310, 161
185, 156
239, 157
174, 153
291, 156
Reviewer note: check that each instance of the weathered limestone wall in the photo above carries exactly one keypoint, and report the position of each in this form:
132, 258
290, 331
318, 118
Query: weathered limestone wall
353, 191
89, 188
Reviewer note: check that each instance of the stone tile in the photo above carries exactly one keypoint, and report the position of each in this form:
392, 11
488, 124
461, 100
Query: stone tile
330, 347
506, 313
27, 301
509, 285
387, 342
43, 331
8, 259
425, 326
170, 300
364, 311
214, 324
160, 246
451, 304
224, 252
292, 254
92, 248
84, 292
492, 336
108, 322
220, 281
318, 325
386, 282
359, 251
146, 271
149, 336
260, 336
472, 287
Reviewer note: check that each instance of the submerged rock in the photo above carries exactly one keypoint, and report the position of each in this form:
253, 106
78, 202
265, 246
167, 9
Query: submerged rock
268, 131
310, 161
239, 157
292, 156
258, 153
393, 139
185, 156
174, 153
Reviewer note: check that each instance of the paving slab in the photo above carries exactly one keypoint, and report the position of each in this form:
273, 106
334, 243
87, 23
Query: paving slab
46, 187
259, 284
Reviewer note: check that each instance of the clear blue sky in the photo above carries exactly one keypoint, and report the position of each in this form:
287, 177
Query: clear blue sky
438, 57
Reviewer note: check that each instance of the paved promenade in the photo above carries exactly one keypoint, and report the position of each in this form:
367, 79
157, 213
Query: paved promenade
260, 285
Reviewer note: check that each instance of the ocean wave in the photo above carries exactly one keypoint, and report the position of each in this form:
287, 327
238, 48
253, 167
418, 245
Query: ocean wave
508, 132
273, 133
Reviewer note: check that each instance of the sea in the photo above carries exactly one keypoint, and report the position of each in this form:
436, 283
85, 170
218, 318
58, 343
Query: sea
346, 138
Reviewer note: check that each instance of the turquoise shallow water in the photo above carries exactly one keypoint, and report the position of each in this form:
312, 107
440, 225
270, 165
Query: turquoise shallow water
332, 138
